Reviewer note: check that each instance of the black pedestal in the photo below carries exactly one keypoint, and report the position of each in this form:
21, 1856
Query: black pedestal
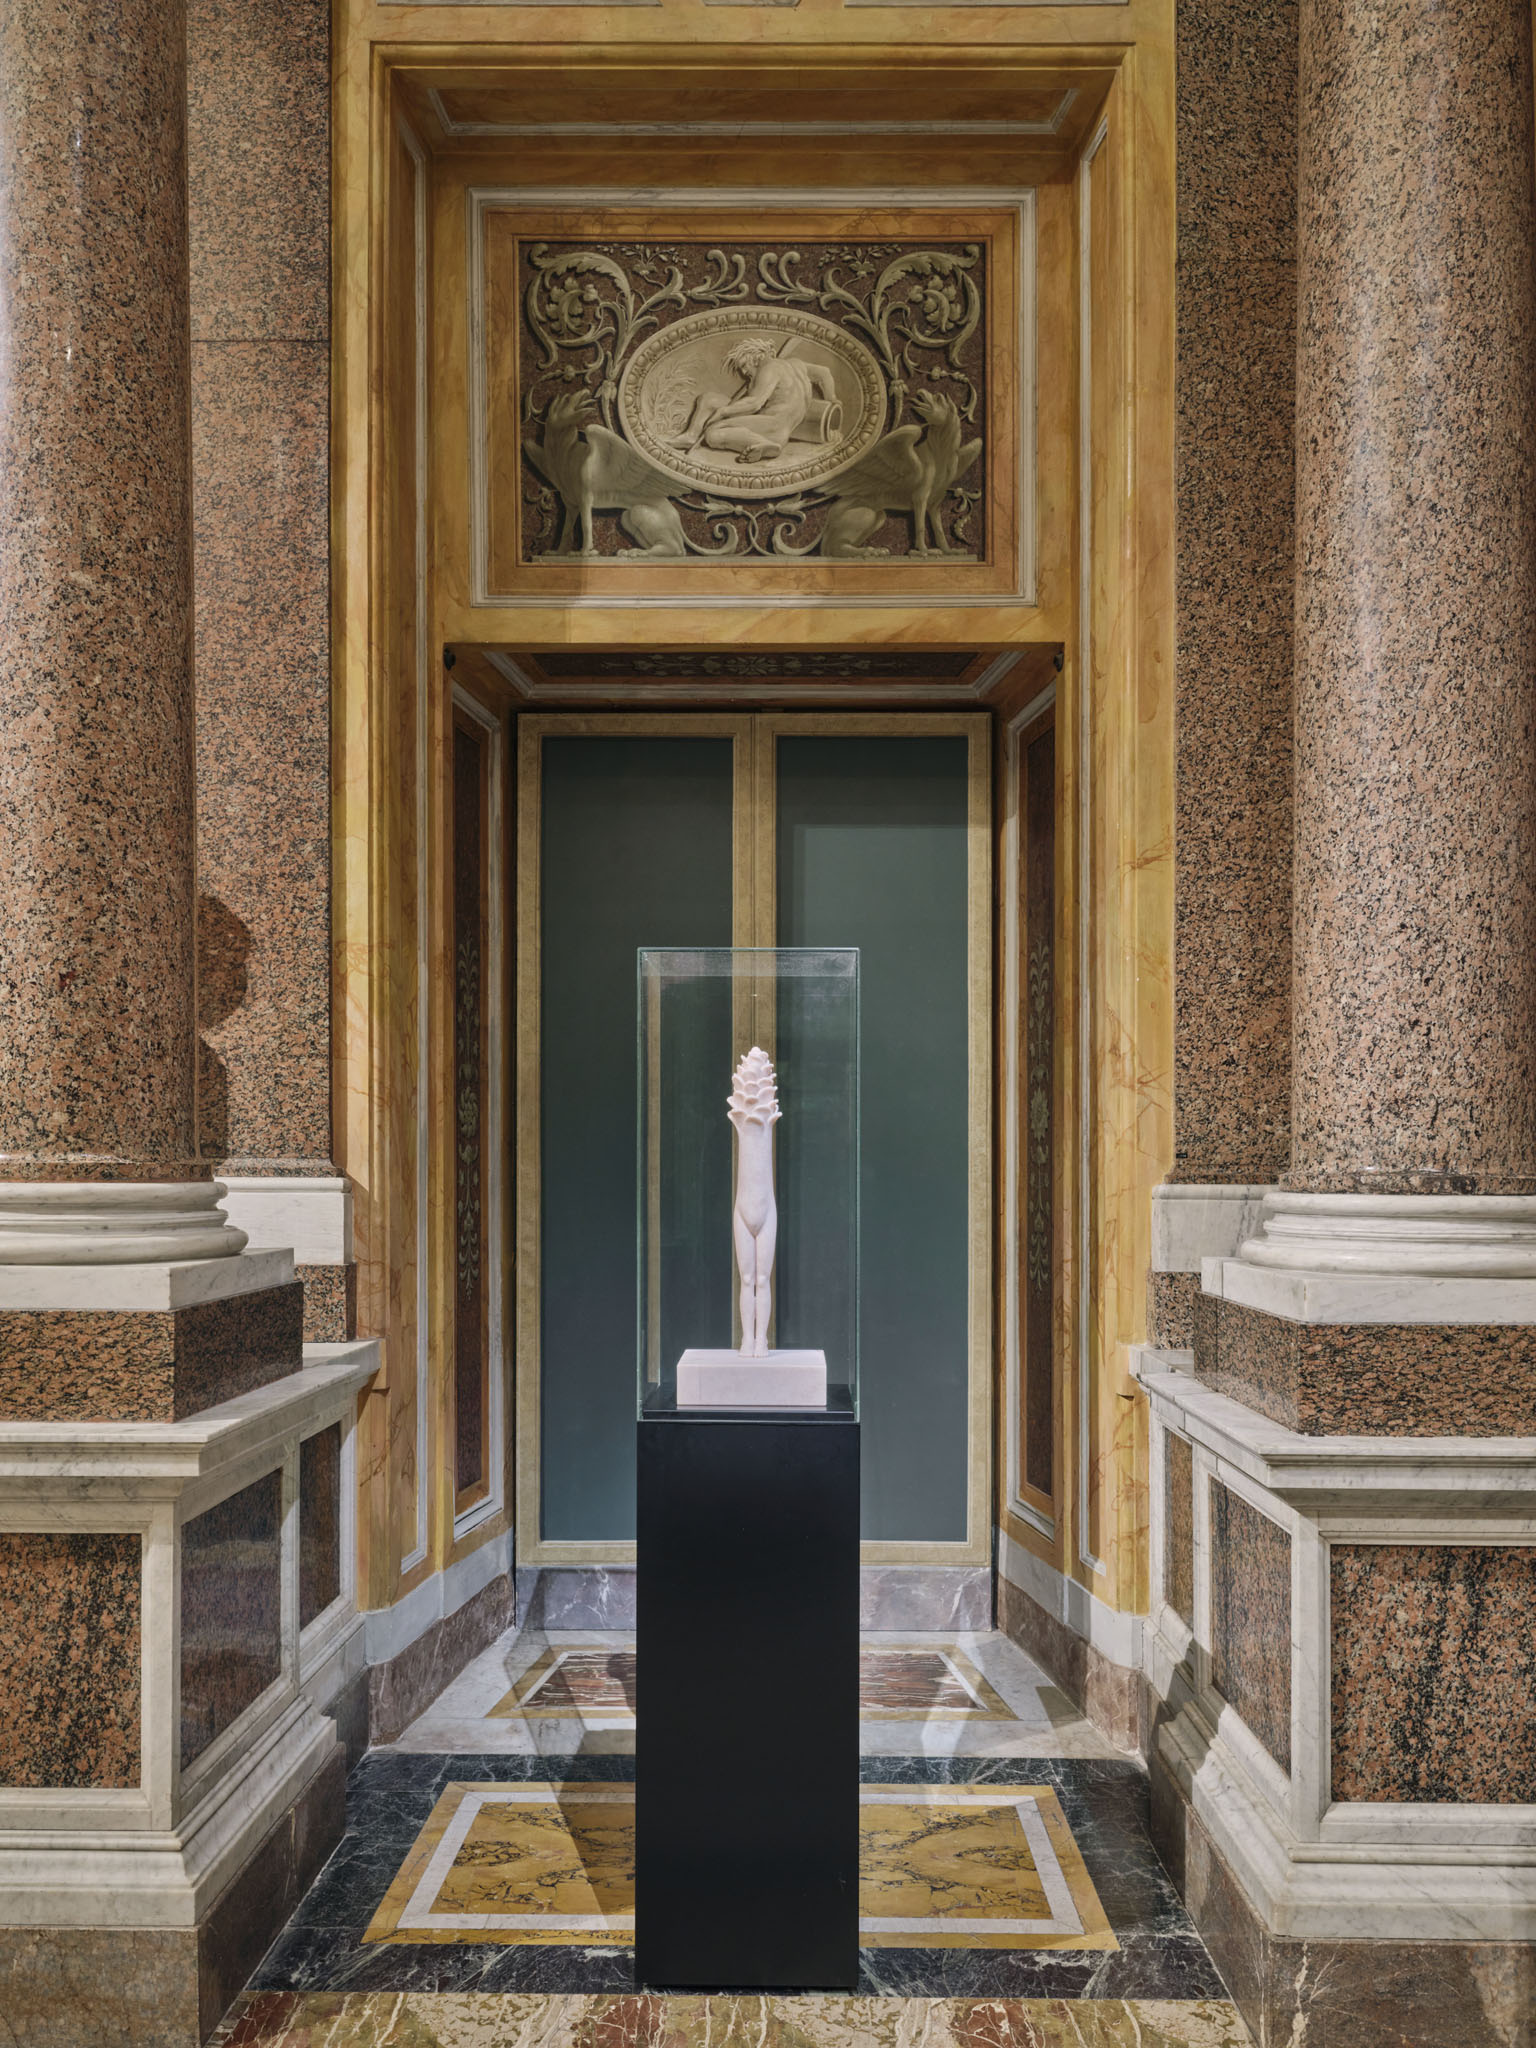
747, 1716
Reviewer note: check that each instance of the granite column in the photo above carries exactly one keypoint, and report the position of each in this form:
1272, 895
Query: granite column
1347, 1480
1415, 819
97, 1002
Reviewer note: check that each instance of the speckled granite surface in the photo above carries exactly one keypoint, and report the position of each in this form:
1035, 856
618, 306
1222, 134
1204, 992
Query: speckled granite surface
69, 1659
1234, 483
1434, 1672
1251, 1618
1171, 1299
258, 159
330, 1302
1415, 878
96, 803
1371, 1379
96, 1365
1179, 1527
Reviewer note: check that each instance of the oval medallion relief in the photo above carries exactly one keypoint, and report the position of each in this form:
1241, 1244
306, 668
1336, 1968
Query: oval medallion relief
752, 401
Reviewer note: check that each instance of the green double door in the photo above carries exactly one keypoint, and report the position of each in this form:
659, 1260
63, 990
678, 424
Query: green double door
715, 830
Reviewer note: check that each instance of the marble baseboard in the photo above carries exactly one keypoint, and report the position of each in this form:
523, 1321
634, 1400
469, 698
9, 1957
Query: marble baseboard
1370, 1379
100, 1365
891, 1596
330, 1303
168, 1987
407, 1683
1110, 1694
1356, 1994
576, 1596
925, 1596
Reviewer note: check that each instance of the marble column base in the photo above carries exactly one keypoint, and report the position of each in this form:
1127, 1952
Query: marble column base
1330, 1354
169, 1986
113, 1223
145, 1343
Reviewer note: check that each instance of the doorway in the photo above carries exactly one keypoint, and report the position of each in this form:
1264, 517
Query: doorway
690, 829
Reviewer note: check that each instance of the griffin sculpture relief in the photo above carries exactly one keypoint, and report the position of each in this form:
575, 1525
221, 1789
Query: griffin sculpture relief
595, 471
911, 470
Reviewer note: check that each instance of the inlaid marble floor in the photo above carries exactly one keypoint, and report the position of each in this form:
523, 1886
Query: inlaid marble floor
538, 1694
482, 1896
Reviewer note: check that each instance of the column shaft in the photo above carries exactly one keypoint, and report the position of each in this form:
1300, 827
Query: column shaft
1415, 861
96, 722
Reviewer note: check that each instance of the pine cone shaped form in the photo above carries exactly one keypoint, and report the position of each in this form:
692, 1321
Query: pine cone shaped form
754, 1093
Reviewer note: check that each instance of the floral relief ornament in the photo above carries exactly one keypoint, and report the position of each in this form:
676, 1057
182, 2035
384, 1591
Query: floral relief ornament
686, 401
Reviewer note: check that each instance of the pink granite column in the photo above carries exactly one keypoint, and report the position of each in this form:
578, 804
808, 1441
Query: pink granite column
1415, 863
96, 783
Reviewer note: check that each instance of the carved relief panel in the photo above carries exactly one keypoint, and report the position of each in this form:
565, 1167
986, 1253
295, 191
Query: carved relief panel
824, 399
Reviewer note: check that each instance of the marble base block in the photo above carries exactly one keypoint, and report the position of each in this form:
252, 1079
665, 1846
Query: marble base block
728, 1379
147, 1365
1371, 1378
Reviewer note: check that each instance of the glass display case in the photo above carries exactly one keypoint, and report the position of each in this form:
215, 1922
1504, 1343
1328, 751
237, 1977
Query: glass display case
748, 1181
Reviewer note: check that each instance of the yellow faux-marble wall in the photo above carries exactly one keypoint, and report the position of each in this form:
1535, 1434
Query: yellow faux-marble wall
1105, 598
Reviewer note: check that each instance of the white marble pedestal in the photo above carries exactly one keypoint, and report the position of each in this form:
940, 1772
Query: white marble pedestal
728, 1379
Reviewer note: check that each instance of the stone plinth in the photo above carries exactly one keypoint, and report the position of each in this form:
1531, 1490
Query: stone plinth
176, 1780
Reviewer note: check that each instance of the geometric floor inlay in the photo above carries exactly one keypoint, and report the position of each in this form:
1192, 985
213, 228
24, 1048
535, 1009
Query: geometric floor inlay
940, 1866
896, 1682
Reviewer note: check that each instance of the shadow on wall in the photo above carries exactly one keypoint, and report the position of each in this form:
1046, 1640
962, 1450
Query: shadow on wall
223, 950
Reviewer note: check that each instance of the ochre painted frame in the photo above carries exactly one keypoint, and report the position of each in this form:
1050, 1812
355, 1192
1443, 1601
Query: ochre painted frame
1104, 498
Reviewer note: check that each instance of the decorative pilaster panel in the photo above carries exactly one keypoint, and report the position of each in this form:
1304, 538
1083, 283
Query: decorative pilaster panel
1037, 1138
471, 1105
1433, 1672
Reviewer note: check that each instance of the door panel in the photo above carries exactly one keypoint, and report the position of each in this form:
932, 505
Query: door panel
872, 852
636, 850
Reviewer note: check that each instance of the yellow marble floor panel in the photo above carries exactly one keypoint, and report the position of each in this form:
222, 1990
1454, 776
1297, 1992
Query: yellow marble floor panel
940, 1866
286, 2019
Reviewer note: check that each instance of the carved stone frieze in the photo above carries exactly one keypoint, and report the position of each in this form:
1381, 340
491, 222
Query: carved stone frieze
707, 401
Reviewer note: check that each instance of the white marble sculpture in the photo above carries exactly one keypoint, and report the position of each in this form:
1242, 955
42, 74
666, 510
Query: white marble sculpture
754, 1110
755, 1376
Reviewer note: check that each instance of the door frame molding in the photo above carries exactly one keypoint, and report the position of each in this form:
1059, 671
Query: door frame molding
754, 738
